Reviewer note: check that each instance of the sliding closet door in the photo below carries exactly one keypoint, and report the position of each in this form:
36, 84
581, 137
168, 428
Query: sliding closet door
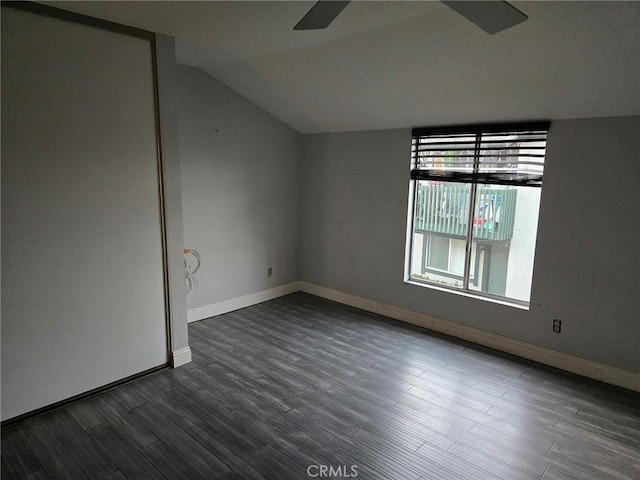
83, 298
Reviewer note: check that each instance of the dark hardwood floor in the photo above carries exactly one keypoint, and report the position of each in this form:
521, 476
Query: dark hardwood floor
300, 386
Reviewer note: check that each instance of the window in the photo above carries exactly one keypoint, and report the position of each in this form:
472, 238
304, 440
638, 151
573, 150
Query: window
446, 255
475, 195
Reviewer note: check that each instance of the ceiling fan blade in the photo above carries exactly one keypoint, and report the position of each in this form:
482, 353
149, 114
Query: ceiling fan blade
490, 16
321, 15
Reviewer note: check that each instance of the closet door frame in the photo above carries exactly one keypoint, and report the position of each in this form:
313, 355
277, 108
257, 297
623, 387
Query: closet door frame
171, 356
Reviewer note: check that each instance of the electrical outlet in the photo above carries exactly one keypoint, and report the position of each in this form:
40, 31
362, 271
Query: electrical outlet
269, 271
557, 325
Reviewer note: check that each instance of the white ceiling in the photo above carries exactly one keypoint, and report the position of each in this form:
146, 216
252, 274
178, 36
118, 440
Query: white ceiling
400, 64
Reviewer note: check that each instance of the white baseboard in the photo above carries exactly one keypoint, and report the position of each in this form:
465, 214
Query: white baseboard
237, 303
569, 363
181, 357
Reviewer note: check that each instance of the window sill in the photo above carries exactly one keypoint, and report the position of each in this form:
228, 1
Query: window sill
507, 303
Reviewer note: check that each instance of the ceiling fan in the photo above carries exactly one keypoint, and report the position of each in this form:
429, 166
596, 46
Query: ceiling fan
491, 16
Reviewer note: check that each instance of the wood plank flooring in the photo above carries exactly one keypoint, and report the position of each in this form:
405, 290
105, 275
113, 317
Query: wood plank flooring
300, 386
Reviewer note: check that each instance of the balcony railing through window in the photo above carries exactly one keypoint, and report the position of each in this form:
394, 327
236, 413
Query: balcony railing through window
443, 208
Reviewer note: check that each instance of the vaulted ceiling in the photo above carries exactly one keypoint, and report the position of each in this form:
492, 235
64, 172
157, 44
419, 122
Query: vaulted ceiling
401, 64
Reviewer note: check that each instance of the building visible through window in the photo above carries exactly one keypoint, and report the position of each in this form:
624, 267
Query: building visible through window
475, 196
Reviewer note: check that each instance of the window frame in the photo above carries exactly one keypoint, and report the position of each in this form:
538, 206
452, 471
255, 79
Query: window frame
474, 178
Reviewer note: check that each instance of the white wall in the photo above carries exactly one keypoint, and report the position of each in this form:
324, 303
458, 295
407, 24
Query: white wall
523, 244
354, 190
239, 190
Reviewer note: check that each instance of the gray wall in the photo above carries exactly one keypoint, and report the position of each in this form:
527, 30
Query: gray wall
354, 189
239, 190
168, 111
83, 293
